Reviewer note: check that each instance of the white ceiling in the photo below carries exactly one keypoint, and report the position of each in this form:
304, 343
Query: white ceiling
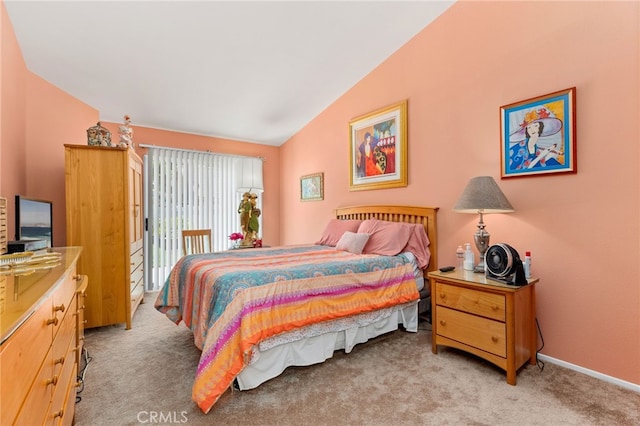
253, 71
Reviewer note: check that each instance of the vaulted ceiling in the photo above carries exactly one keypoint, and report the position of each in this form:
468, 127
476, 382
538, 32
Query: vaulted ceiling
254, 71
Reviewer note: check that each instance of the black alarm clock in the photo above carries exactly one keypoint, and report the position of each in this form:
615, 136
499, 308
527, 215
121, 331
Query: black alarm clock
503, 264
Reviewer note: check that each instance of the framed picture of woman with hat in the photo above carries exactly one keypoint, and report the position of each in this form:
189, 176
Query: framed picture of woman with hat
538, 135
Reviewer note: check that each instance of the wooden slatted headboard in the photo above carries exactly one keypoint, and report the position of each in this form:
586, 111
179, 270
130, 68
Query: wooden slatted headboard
408, 214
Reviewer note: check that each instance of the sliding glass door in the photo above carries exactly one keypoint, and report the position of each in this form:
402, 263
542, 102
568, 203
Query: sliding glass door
187, 190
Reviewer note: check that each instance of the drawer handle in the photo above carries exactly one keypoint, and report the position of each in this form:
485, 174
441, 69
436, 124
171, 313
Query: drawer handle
494, 339
443, 322
59, 361
53, 321
443, 296
58, 308
495, 307
52, 381
58, 414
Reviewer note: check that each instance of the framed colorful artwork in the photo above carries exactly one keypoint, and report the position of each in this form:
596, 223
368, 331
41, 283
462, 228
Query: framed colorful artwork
378, 149
312, 187
538, 135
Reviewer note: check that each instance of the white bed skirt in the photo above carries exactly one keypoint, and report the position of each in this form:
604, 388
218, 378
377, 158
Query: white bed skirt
270, 363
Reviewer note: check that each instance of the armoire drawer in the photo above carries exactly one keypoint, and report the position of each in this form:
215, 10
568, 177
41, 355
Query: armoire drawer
136, 259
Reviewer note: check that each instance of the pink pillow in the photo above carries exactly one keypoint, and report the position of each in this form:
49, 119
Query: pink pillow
352, 242
335, 229
418, 244
387, 238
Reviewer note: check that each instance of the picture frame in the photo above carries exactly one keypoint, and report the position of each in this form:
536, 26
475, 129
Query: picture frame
312, 187
538, 135
378, 149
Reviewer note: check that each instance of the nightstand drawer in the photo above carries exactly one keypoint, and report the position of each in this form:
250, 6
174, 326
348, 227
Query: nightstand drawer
476, 302
482, 333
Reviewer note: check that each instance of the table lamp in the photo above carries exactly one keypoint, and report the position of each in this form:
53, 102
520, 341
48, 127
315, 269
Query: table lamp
249, 175
483, 196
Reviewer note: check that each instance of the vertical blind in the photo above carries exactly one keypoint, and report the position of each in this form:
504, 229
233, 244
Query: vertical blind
188, 190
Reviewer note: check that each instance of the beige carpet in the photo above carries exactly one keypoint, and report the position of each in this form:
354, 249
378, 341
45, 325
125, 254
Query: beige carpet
144, 376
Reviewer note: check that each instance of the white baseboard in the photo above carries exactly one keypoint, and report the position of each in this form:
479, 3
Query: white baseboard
622, 383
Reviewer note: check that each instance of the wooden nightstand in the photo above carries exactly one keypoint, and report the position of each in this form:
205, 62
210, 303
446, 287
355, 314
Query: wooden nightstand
484, 317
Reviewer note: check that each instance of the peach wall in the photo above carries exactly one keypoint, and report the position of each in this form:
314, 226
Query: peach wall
54, 118
582, 229
12, 114
271, 167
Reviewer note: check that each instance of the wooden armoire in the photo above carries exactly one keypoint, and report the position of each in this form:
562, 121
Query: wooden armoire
104, 215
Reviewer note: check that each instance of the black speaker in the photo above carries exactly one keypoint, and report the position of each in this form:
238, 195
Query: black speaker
503, 264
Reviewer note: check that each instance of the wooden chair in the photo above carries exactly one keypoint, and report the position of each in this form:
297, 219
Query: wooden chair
195, 241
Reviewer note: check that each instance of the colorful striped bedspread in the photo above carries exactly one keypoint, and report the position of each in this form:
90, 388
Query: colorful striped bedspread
233, 300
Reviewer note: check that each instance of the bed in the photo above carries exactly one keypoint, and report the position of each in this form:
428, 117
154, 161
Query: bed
255, 312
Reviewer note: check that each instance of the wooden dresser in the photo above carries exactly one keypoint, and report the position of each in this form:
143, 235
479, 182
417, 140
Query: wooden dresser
40, 334
104, 215
484, 317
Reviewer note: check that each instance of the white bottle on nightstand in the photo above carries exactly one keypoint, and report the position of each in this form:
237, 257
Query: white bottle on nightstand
460, 258
527, 265
468, 257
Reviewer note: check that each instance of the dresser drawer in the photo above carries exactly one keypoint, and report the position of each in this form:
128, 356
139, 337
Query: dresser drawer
24, 351
54, 376
65, 336
477, 302
63, 297
66, 377
482, 333
67, 416
34, 408
81, 294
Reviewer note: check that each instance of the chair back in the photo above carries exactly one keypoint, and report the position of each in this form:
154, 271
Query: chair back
196, 241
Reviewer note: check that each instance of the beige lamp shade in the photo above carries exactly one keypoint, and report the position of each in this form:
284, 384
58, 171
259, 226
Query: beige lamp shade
483, 195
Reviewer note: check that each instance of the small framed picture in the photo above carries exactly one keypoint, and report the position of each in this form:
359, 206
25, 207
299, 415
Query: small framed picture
312, 187
538, 135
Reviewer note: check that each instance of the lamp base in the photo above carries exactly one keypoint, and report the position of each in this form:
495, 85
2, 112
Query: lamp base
481, 238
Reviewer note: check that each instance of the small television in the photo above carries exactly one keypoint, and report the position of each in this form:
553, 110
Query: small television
34, 219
